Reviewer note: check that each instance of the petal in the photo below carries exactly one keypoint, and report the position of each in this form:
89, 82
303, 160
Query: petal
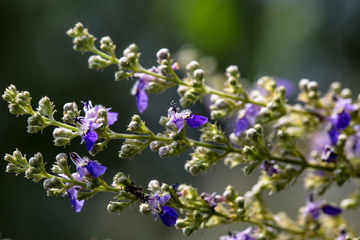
164, 199
111, 117
77, 205
334, 134
195, 121
343, 120
95, 169
141, 101
82, 172
241, 126
180, 124
90, 139
331, 210
168, 216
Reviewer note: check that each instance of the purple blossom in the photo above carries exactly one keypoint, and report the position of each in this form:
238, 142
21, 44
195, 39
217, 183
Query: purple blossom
212, 199
289, 85
269, 167
85, 166
328, 154
244, 235
72, 192
353, 146
178, 119
340, 118
88, 123
167, 215
139, 87
313, 209
247, 119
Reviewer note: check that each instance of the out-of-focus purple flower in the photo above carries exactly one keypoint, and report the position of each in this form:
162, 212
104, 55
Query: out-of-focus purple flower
313, 209
328, 154
289, 86
178, 119
167, 215
342, 235
212, 199
244, 235
352, 147
139, 87
247, 119
71, 192
340, 118
88, 123
85, 166
269, 167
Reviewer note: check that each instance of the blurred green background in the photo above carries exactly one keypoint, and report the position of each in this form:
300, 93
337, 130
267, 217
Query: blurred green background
319, 40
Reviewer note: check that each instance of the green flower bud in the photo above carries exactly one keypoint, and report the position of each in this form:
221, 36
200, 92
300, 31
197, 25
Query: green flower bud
217, 114
163, 54
194, 170
133, 48
335, 87
229, 193
46, 107
184, 101
164, 151
61, 132
163, 121
240, 202
132, 57
187, 231
144, 209
133, 126
123, 62
192, 66
199, 75
47, 184
181, 90
112, 207
12, 168
165, 187
221, 104
349, 203
232, 71
61, 156
346, 93
10, 93
96, 62
248, 169
106, 44
83, 195
252, 134
303, 84
124, 181
312, 86
70, 106
120, 75
181, 223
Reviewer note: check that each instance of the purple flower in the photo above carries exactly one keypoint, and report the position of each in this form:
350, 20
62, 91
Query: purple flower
178, 119
247, 119
212, 199
167, 215
328, 154
313, 209
288, 85
71, 192
340, 118
342, 235
139, 87
269, 167
85, 166
88, 123
244, 235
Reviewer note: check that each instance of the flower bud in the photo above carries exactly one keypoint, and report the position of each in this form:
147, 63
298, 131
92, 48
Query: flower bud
61, 156
194, 170
123, 62
45, 107
349, 203
96, 62
184, 101
187, 231
233, 71
240, 202
153, 185
61, 132
120, 75
163, 54
164, 151
192, 66
221, 104
303, 84
312, 86
346, 93
252, 134
133, 48
199, 75
112, 207
181, 223
132, 57
229, 193
335, 87
144, 209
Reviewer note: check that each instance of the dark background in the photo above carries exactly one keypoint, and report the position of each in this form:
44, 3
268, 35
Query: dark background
319, 40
